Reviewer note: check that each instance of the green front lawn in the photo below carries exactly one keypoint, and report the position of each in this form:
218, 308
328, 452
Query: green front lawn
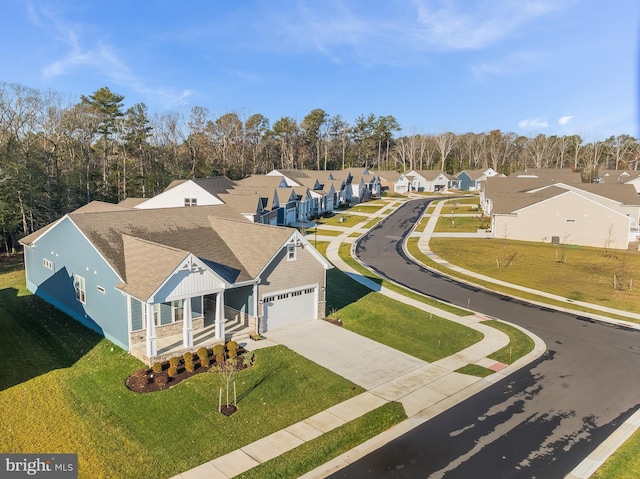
344, 252
458, 224
322, 232
366, 208
314, 453
395, 324
63, 390
343, 219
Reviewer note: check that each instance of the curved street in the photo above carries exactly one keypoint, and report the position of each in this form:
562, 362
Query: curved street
541, 421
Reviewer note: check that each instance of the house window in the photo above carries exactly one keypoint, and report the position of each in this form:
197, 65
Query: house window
167, 313
78, 284
191, 202
291, 252
47, 263
100, 289
570, 221
177, 308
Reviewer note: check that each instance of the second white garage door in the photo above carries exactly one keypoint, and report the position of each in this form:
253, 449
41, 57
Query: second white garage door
283, 308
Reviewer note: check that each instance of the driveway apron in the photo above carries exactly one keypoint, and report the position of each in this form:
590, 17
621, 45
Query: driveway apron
361, 360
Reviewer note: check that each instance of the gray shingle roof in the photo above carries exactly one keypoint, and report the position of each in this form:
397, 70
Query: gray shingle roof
145, 246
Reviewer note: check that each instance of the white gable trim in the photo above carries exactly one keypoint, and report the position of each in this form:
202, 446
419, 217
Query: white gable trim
192, 264
300, 240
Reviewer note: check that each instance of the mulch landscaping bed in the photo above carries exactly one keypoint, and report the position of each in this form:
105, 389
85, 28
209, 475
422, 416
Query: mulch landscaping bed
146, 381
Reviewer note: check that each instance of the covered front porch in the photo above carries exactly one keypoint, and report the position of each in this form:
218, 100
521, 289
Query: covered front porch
236, 326
174, 326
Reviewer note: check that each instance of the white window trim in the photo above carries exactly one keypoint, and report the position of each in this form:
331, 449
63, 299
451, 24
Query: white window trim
47, 263
79, 285
292, 252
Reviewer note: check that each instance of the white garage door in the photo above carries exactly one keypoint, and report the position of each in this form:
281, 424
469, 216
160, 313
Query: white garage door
288, 307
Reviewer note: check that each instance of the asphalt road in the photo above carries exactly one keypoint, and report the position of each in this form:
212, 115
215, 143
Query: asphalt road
541, 421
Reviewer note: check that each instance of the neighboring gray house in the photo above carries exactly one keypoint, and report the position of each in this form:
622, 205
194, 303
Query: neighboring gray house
470, 180
160, 281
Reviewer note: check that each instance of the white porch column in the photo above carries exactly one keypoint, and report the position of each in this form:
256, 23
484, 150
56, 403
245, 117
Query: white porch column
256, 313
152, 350
220, 315
187, 324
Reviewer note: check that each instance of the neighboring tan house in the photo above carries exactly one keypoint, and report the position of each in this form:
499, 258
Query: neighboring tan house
160, 281
470, 180
388, 180
579, 214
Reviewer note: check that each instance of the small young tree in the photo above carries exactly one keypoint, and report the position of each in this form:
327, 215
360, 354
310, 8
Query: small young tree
228, 369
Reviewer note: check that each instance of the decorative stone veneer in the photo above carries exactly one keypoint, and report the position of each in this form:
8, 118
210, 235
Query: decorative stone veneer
137, 337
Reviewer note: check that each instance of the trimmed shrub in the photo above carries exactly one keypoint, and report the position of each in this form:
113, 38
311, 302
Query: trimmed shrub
188, 357
204, 362
172, 371
174, 362
218, 349
157, 367
203, 354
188, 365
232, 347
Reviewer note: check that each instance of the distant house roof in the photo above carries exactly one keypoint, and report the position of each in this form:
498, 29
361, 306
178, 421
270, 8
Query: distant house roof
617, 176
214, 186
431, 175
623, 193
261, 181
390, 176
565, 175
132, 202
510, 201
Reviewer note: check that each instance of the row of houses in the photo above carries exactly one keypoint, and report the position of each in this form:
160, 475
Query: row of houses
553, 205
433, 181
282, 197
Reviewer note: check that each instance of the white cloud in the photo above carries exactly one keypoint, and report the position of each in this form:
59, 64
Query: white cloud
516, 63
533, 124
565, 120
455, 25
395, 32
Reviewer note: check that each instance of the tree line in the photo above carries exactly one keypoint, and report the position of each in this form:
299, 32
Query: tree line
58, 153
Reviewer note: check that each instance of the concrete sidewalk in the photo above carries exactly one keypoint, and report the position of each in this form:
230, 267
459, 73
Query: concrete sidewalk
424, 389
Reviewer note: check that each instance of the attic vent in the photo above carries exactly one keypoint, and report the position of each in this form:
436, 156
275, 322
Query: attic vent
555, 240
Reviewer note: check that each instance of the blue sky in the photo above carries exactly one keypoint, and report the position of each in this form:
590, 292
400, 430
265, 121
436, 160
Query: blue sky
526, 66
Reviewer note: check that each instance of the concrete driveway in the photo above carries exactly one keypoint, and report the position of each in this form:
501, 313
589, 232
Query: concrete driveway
363, 361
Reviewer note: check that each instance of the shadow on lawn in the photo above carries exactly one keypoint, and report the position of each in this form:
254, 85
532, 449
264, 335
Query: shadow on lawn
342, 290
36, 337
